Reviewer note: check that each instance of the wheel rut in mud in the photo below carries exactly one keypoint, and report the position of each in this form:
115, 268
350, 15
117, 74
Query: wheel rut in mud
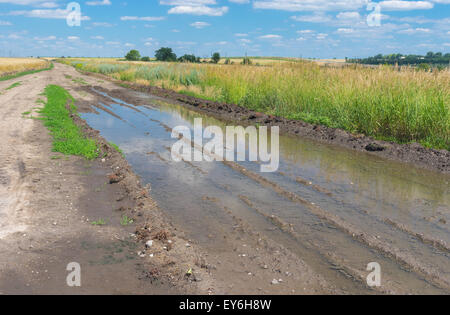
329, 211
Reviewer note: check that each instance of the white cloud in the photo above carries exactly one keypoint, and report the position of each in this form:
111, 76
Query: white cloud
199, 10
398, 5
244, 41
341, 5
37, 3
95, 3
47, 38
45, 14
411, 31
309, 5
142, 18
102, 24
315, 18
200, 24
345, 31
195, 7
349, 16
271, 37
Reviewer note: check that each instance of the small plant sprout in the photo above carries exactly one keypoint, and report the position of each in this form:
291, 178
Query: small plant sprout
100, 222
126, 220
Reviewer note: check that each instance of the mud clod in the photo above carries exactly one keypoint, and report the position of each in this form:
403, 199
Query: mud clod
374, 147
162, 235
114, 179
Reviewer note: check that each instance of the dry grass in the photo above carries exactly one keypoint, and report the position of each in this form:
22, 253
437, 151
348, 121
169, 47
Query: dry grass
15, 65
262, 61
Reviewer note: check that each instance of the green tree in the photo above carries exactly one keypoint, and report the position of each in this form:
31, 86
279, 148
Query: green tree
424, 67
165, 54
215, 57
430, 55
145, 59
133, 55
188, 58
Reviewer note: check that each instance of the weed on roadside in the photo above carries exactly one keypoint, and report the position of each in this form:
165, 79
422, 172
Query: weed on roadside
100, 222
12, 86
117, 148
80, 81
126, 221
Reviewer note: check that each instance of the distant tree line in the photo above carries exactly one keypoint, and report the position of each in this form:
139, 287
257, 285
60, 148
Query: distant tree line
430, 58
166, 54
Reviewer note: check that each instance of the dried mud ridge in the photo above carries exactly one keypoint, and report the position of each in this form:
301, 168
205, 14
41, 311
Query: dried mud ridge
168, 258
414, 153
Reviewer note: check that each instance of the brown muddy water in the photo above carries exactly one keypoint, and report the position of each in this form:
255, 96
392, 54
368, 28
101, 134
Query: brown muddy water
336, 209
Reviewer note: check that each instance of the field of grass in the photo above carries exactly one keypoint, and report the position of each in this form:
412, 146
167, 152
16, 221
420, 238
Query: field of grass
10, 67
402, 106
67, 136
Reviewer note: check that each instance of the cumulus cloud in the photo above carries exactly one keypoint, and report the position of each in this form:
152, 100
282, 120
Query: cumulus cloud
95, 3
42, 3
405, 5
271, 37
143, 18
343, 5
45, 14
195, 7
309, 5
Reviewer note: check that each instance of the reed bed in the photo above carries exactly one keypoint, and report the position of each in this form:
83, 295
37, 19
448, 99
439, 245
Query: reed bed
402, 106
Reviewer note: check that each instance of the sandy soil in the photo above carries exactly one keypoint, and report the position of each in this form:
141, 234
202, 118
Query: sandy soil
48, 203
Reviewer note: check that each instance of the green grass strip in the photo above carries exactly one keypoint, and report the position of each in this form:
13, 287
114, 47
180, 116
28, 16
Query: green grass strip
67, 136
12, 86
19, 74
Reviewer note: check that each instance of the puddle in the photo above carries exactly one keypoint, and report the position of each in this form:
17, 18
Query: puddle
403, 211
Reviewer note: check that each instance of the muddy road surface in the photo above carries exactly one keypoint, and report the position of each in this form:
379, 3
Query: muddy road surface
311, 227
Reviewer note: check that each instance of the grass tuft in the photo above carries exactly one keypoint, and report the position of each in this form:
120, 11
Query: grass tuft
117, 148
12, 86
125, 220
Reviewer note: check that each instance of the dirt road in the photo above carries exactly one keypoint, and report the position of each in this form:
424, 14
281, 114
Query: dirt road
49, 202
294, 232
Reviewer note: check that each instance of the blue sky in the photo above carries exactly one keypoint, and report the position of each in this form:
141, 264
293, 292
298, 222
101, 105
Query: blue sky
293, 28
